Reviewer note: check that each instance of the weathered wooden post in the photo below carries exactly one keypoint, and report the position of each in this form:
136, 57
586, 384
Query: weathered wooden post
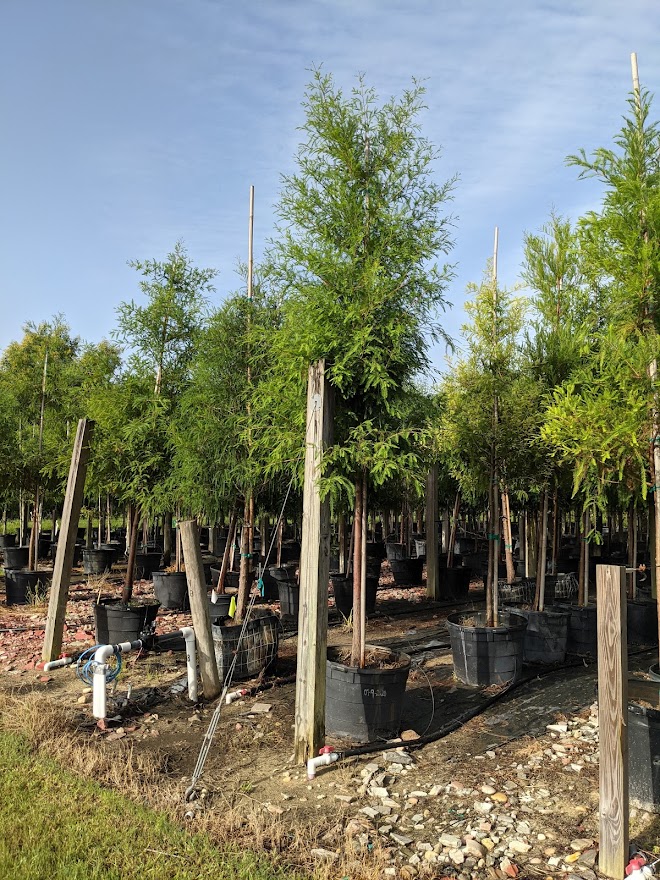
59, 591
432, 583
199, 608
309, 734
612, 719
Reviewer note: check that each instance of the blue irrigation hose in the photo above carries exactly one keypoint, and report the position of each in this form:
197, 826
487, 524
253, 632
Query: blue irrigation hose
86, 666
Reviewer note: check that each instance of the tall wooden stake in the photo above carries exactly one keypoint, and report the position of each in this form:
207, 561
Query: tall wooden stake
309, 734
492, 606
432, 583
612, 719
199, 608
59, 591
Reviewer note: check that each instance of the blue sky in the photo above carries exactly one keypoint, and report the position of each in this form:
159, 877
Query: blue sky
131, 124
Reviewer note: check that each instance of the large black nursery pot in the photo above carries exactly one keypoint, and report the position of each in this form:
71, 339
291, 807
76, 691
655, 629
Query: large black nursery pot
113, 547
288, 588
407, 572
644, 743
486, 655
366, 704
582, 628
642, 622
255, 652
77, 553
219, 610
342, 588
395, 551
7, 541
23, 586
171, 589
16, 557
97, 561
115, 622
146, 563
454, 583
546, 635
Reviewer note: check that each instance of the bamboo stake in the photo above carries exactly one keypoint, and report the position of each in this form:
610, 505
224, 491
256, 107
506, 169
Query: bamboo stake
492, 606
356, 653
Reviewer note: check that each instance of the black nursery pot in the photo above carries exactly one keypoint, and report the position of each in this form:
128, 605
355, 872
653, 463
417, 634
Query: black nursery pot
407, 572
342, 587
454, 583
486, 655
642, 626
97, 561
365, 704
644, 744
582, 628
116, 623
21, 584
16, 557
171, 589
546, 636
146, 564
7, 541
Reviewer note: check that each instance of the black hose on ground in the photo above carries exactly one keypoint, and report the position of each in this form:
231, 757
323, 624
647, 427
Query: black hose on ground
456, 723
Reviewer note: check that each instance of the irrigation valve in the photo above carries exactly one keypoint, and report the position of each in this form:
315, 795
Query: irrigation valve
637, 869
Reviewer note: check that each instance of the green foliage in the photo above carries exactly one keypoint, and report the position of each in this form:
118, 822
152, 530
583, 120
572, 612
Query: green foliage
354, 266
490, 368
222, 430
621, 242
136, 412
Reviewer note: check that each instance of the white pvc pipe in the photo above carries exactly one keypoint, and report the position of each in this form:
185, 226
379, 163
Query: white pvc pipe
57, 664
320, 761
188, 634
103, 653
235, 695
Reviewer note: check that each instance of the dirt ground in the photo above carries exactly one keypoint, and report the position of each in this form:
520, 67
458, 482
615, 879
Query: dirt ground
506, 748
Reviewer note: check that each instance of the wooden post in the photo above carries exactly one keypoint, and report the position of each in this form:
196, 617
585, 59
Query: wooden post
59, 591
199, 608
432, 584
612, 719
309, 725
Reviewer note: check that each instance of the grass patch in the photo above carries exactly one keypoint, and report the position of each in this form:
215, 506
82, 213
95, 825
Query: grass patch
57, 826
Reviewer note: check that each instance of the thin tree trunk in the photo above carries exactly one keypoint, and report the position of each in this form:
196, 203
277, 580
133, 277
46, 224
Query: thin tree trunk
631, 548
244, 582
167, 538
508, 536
454, 528
555, 532
226, 556
539, 599
280, 538
356, 651
127, 591
341, 528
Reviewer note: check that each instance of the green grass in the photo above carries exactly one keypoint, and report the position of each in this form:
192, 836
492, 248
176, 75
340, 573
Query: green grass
56, 826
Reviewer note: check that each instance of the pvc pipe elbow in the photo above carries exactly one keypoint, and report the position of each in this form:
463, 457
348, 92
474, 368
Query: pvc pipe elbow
235, 695
320, 761
58, 664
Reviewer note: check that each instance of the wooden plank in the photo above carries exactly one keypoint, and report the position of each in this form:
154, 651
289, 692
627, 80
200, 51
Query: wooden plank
59, 591
199, 608
612, 719
309, 727
432, 584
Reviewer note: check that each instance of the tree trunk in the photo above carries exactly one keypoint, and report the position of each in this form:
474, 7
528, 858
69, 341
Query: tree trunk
356, 648
508, 536
341, 528
555, 533
631, 548
539, 599
167, 538
127, 591
226, 556
244, 582
454, 528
